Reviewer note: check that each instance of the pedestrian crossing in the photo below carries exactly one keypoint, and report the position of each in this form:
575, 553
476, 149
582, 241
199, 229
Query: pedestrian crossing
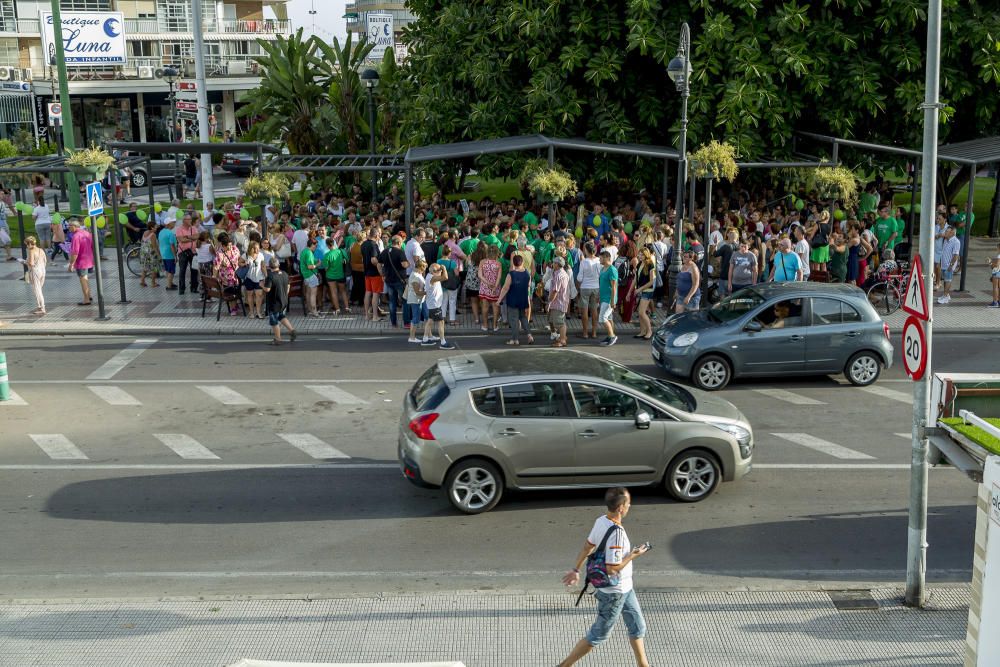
59, 447
113, 395
225, 395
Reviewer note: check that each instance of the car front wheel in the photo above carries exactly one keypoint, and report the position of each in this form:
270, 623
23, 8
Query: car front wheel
692, 476
474, 486
711, 373
139, 179
863, 369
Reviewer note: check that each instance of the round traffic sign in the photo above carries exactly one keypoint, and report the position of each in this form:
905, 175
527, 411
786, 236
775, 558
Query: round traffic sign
914, 348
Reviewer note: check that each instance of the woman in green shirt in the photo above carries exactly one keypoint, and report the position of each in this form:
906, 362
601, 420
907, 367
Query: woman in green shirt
310, 281
334, 265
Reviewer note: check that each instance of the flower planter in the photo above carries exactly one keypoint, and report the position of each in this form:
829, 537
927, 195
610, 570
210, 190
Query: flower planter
94, 172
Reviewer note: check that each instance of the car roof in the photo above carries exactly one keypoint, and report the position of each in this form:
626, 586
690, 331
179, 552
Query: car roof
770, 290
518, 363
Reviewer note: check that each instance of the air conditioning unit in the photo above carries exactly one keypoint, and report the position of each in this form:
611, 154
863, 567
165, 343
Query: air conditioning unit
146, 72
6, 73
237, 67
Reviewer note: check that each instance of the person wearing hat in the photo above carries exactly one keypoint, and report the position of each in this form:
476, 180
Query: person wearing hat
81, 258
168, 251
559, 300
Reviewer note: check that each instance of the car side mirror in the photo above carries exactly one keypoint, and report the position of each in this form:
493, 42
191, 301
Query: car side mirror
642, 420
753, 326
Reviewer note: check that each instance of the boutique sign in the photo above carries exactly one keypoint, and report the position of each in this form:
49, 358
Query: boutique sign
89, 38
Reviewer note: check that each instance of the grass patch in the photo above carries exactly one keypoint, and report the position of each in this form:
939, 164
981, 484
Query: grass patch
976, 434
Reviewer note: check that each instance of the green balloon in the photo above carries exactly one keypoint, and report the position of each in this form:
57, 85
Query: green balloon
22, 207
142, 215
122, 218
245, 213
838, 214
628, 227
56, 218
799, 204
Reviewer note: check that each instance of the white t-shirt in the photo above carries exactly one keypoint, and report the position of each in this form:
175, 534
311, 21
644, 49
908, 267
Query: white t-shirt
613, 249
41, 214
802, 250
172, 214
416, 281
435, 295
413, 253
300, 237
205, 255
949, 249
617, 548
590, 273
715, 238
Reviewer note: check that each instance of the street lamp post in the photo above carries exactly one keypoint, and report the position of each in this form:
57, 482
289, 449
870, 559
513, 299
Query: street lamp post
370, 77
679, 71
172, 75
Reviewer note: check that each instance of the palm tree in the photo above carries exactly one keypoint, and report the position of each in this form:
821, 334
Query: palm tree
338, 65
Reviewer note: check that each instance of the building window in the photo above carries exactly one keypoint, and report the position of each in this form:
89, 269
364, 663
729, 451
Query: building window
176, 16
86, 5
140, 49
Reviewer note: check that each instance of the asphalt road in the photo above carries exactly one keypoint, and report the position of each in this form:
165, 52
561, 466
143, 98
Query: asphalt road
211, 466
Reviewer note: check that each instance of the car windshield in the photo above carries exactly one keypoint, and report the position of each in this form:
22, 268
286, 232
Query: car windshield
664, 392
736, 304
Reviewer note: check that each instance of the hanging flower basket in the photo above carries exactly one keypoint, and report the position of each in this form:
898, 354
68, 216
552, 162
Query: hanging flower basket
90, 164
715, 160
262, 190
836, 182
552, 185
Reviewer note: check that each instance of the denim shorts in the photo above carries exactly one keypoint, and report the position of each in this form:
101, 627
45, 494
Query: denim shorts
274, 318
416, 312
609, 607
947, 275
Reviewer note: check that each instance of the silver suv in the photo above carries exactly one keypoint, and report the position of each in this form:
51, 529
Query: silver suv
553, 419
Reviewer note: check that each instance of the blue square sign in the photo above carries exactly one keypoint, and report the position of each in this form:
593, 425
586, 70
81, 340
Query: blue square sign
95, 198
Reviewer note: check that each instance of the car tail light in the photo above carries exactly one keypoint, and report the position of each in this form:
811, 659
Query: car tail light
885, 330
421, 426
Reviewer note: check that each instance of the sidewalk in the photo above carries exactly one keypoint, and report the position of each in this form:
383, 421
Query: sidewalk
158, 312
482, 629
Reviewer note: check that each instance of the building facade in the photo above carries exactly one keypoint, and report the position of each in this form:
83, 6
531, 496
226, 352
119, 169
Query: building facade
129, 102
357, 18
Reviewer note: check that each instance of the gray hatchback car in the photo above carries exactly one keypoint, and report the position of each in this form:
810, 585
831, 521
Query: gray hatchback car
777, 329
552, 419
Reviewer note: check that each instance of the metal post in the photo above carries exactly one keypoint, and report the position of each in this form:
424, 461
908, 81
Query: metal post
178, 181
408, 178
371, 138
119, 241
968, 225
995, 206
55, 203
913, 211
101, 315
60, 153
692, 203
707, 229
685, 90
916, 542
21, 231
666, 188
68, 138
207, 182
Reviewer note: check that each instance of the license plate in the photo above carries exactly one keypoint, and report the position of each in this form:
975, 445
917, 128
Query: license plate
656, 354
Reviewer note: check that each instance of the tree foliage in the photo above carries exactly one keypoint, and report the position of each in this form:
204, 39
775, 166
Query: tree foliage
762, 70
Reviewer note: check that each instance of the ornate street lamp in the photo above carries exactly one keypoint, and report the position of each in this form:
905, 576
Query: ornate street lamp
679, 70
172, 75
370, 78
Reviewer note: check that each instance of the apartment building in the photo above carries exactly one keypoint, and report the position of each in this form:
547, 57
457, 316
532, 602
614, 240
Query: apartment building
128, 102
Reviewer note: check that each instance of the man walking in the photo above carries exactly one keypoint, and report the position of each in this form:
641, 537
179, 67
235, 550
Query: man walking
608, 294
951, 253
619, 598
558, 301
276, 288
81, 258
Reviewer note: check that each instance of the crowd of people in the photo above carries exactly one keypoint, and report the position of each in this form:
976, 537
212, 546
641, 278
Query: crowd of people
507, 264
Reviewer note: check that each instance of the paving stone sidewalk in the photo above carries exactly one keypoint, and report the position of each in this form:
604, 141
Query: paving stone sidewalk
688, 629
158, 312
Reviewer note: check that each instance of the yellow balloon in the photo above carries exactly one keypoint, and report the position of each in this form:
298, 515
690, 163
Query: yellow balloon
101, 222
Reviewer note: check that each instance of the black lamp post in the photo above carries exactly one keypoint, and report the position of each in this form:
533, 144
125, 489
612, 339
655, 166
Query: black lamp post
679, 70
370, 77
172, 75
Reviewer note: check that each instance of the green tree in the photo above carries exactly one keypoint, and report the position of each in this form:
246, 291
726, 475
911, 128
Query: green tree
762, 70
340, 64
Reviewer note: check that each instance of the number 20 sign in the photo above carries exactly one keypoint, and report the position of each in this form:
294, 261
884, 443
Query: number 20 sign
914, 348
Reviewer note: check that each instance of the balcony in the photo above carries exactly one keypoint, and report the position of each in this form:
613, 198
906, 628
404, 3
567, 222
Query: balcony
224, 29
216, 66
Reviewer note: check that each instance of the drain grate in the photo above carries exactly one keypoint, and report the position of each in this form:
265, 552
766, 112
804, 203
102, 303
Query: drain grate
852, 600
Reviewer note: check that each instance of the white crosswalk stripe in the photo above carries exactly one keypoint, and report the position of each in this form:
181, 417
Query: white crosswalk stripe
908, 436
313, 446
121, 360
114, 395
57, 446
789, 397
14, 399
824, 446
336, 394
892, 394
225, 395
185, 446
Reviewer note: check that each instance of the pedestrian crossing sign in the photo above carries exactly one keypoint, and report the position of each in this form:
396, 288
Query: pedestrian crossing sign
95, 198
915, 300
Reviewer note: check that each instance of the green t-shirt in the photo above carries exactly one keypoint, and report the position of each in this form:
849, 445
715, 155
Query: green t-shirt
868, 203
956, 220
608, 276
530, 218
307, 258
489, 239
900, 231
469, 246
333, 264
883, 229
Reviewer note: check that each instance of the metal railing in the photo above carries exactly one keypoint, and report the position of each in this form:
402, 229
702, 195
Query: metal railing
152, 26
216, 65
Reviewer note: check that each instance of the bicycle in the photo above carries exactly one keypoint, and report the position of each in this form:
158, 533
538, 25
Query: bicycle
132, 258
886, 295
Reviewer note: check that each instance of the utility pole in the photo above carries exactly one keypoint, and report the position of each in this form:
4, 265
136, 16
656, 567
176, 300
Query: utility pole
916, 542
207, 183
69, 139
679, 70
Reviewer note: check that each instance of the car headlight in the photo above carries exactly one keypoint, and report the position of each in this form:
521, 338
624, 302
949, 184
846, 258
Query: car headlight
684, 340
742, 435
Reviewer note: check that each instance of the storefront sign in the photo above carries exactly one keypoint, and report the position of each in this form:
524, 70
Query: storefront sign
380, 33
41, 117
15, 86
89, 38
187, 106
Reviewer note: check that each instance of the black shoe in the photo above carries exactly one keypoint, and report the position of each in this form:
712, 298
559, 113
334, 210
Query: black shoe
180, 292
172, 288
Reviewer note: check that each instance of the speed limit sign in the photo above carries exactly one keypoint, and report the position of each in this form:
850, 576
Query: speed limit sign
914, 348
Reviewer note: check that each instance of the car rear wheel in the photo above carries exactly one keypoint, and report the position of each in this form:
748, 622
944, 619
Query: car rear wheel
711, 373
474, 486
863, 369
692, 476
139, 179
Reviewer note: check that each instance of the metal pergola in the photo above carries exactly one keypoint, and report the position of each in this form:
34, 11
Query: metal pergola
333, 163
972, 154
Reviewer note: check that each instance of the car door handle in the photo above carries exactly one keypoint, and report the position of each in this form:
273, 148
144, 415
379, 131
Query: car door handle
796, 337
588, 434
509, 431
853, 334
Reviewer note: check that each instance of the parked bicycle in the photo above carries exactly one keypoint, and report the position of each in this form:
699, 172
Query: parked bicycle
886, 295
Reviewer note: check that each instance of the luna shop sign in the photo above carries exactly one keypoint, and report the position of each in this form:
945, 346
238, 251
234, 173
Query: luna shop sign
89, 38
